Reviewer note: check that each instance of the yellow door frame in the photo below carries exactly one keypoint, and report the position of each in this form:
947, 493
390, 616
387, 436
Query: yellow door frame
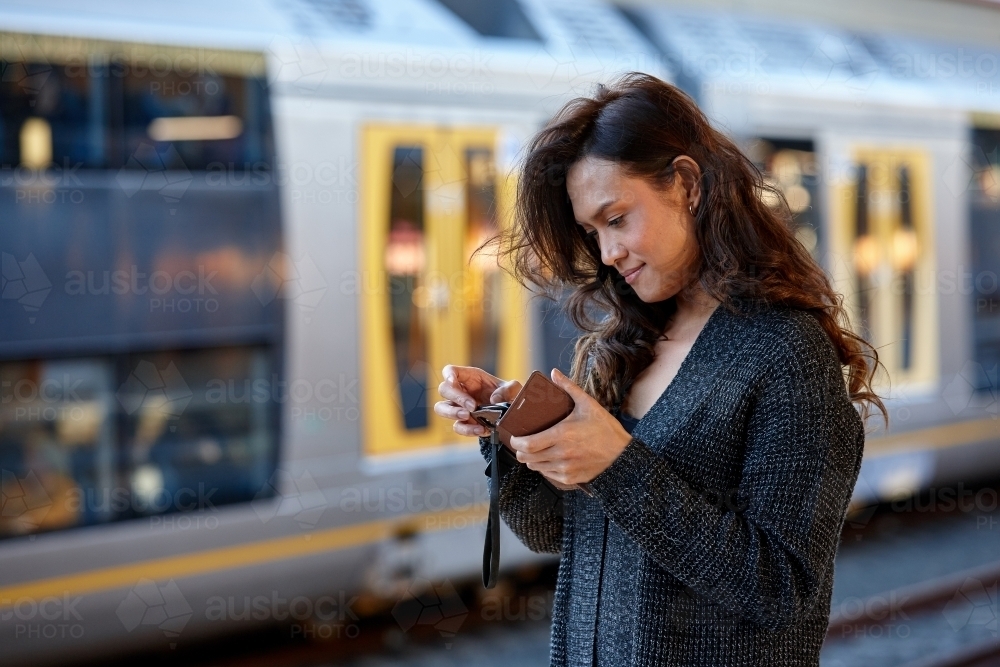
444, 276
884, 223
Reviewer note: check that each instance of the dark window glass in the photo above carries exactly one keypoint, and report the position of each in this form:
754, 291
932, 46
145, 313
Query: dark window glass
790, 165
86, 441
57, 444
499, 18
107, 114
196, 428
984, 216
481, 300
48, 114
209, 120
409, 296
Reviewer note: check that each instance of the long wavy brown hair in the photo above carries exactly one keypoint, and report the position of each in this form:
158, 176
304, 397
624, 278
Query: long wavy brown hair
748, 251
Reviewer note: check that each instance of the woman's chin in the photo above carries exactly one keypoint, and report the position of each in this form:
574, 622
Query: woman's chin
646, 297
655, 296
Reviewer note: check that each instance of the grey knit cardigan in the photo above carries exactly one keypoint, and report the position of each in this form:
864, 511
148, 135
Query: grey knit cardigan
711, 539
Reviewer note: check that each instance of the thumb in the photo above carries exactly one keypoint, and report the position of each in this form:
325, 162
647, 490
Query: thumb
566, 383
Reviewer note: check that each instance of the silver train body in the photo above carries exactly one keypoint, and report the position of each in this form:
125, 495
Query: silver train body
236, 242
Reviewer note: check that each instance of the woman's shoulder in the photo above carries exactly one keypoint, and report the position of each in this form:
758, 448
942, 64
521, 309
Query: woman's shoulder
782, 331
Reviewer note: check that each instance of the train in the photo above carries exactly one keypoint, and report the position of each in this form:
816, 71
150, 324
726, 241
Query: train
237, 254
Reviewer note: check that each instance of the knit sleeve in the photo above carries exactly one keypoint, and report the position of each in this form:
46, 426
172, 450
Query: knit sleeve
531, 508
766, 551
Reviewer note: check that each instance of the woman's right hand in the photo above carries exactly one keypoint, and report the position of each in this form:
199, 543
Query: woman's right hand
467, 387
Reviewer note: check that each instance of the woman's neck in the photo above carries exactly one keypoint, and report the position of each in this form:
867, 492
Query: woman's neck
693, 310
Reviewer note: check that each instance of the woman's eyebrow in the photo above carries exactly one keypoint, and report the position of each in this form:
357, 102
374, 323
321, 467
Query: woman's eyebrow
600, 210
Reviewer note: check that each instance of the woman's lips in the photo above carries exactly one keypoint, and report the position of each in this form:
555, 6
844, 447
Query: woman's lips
629, 277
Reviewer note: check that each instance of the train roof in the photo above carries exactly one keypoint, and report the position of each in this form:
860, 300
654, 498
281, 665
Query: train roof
536, 47
731, 52
542, 42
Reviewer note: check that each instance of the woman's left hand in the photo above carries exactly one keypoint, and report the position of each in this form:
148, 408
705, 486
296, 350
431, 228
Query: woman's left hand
580, 447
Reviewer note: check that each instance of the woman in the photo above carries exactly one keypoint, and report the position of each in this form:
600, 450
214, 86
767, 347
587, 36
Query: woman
712, 419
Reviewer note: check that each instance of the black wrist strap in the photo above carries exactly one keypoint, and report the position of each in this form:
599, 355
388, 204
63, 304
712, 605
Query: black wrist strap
491, 548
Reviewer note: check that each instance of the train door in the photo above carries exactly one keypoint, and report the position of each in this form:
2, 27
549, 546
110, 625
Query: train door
431, 196
885, 265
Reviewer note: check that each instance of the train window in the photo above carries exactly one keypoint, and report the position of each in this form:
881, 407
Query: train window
883, 258
408, 295
197, 428
88, 441
104, 113
500, 18
790, 166
57, 435
984, 202
210, 120
49, 114
482, 299
431, 197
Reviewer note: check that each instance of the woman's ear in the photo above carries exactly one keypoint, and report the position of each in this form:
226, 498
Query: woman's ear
690, 174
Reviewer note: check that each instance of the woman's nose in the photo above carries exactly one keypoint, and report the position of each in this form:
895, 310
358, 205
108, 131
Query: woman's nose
611, 252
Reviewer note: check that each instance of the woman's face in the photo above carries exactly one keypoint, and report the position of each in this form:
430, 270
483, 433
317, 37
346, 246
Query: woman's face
637, 225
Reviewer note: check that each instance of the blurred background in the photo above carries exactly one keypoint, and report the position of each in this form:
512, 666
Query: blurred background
236, 242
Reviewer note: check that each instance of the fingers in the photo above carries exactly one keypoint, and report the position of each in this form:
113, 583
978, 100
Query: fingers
505, 392
464, 388
464, 424
449, 410
459, 403
533, 450
470, 428
453, 390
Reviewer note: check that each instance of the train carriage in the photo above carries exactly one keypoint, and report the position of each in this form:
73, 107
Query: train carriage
236, 254
235, 260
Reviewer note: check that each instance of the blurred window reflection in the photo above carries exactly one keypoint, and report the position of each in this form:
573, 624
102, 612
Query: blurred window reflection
482, 298
57, 440
104, 113
61, 97
88, 441
984, 202
790, 166
409, 296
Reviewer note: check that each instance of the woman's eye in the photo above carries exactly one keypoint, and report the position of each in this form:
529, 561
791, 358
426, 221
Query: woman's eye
613, 221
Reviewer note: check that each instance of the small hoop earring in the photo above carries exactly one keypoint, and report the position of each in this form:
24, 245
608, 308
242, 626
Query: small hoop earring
691, 209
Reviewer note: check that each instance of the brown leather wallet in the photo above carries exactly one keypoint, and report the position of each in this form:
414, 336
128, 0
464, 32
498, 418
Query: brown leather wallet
539, 405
